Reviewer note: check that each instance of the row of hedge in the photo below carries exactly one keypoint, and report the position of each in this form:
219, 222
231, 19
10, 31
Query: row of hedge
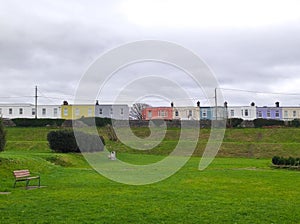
102, 122
41, 122
69, 141
290, 161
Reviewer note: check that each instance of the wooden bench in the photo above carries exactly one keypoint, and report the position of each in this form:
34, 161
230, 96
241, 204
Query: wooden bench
24, 175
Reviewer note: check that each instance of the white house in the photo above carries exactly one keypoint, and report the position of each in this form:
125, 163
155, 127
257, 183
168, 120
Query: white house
186, 113
114, 111
28, 111
290, 113
244, 112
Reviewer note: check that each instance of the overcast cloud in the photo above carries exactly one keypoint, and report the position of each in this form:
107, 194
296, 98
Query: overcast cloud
249, 45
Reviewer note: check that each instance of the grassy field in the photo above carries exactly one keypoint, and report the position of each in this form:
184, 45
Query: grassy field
238, 187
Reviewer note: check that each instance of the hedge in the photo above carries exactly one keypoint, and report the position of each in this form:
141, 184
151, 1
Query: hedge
41, 122
98, 121
64, 141
260, 122
281, 161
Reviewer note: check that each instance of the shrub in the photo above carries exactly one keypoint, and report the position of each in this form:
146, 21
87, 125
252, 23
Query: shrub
64, 141
260, 122
2, 136
276, 160
31, 122
295, 123
234, 122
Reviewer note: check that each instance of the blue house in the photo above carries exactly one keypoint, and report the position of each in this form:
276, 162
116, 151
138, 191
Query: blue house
206, 113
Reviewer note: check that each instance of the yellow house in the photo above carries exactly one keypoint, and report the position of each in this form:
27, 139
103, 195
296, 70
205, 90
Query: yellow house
77, 111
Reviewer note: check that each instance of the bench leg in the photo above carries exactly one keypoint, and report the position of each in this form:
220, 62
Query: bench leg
15, 184
27, 183
39, 182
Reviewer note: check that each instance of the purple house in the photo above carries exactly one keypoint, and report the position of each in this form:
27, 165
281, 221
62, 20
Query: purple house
269, 112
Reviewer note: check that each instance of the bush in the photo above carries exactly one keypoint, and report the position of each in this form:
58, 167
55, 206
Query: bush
234, 122
31, 122
295, 123
260, 122
64, 141
279, 161
2, 136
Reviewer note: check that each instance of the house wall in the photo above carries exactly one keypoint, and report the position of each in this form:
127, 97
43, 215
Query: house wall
49, 111
77, 111
206, 113
269, 112
118, 111
186, 113
12, 111
16, 111
165, 113
243, 112
290, 113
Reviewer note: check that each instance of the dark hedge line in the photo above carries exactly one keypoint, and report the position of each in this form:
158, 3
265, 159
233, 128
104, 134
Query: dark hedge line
234, 122
281, 161
98, 121
64, 141
260, 122
41, 122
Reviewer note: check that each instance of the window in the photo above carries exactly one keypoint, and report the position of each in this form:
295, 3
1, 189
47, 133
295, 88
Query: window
77, 111
0, 110
176, 113
90, 112
10, 111
277, 113
268, 113
149, 114
204, 113
246, 113
232, 113
285, 113
55, 112
294, 113
44, 111
259, 113
20, 110
66, 111
190, 113
122, 111
33, 111
111, 111
100, 111
162, 113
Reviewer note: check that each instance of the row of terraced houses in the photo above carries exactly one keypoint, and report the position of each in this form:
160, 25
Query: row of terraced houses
121, 112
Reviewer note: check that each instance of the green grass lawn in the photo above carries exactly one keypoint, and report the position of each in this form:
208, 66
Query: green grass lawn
230, 190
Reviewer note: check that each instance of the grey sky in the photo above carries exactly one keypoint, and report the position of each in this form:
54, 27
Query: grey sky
252, 45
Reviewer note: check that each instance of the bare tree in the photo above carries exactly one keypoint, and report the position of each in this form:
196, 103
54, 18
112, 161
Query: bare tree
136, 111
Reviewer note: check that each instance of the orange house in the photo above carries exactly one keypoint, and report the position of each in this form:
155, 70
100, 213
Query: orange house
165, 113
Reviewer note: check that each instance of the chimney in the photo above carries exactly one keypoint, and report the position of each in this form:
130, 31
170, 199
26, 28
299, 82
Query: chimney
172, 104
198, 104
252, 104
277, 104
97, 102
225, 104
65, 103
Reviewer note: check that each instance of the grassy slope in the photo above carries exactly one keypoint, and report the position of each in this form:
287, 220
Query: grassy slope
231, 190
